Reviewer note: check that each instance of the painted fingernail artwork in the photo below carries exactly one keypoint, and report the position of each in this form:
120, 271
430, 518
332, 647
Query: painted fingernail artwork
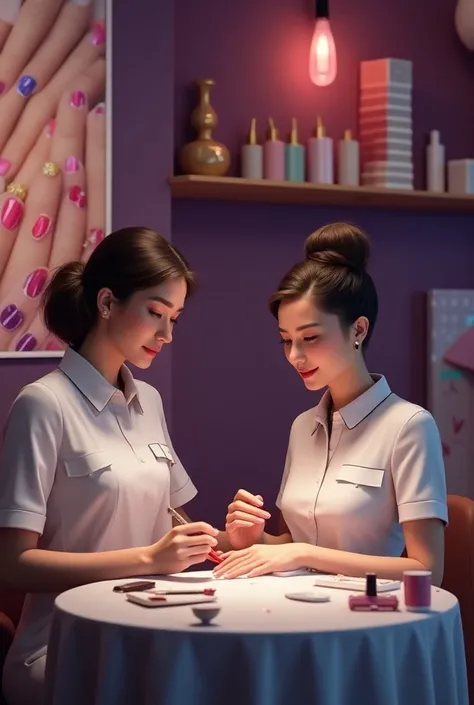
26, 86
11, 318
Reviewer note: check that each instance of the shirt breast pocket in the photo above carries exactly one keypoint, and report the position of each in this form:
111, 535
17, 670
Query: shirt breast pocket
161, 452
361, 476
87, 465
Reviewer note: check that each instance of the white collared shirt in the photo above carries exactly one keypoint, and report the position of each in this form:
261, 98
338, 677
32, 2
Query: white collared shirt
87, 467
380, 466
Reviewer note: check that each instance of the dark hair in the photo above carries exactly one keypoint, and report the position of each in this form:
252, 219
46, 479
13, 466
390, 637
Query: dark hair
127, 261
334, 273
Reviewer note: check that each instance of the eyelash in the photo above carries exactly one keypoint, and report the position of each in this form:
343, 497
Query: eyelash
159, 315
309, 339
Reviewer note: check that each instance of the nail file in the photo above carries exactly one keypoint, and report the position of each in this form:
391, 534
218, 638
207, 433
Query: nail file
313, 596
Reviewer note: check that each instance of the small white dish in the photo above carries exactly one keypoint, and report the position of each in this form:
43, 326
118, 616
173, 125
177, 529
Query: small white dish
206, 613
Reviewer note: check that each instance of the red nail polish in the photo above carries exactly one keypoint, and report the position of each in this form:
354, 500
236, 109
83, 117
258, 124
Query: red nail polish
41, 227
78, 99
35, 282
50, 127
12, 213
98, 34
96, 235
77, 196
100, 109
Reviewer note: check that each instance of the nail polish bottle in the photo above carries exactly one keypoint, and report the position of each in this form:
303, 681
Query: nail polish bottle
435, 164
294, 156
273, 155
252, 155
348, 162
320, 157
371, 602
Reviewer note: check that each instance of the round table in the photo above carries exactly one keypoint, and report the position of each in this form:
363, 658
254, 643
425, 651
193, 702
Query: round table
263, 649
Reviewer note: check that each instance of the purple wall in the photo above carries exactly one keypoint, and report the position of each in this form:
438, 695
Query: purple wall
234, 397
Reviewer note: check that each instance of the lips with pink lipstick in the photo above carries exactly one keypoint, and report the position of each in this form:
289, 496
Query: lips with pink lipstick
306, 374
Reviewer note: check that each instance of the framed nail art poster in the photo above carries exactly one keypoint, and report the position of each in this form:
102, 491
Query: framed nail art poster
54, 155
451, 382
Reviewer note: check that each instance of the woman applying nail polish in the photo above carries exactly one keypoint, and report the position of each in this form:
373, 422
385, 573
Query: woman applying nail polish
364, 478
88, 470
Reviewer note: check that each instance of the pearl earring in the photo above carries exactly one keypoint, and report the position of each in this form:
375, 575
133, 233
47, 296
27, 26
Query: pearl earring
105, 314
357, 344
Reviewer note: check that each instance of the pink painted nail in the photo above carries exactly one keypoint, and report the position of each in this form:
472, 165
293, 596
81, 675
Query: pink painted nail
96, 235
77, 196
5, 164
72, 164
3, 85
98, 34
54, 344
12, 213
35, 283
41, 227
78, 99
100, 109
50, 127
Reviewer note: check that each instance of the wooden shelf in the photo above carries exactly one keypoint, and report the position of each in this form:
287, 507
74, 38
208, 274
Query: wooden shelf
225, 188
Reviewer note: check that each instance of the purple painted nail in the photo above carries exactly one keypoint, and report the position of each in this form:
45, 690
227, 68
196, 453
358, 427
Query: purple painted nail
11, 317
25, 86
27, 342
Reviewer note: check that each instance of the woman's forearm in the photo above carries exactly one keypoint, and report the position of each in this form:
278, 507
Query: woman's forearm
329, 560
271, 540
39, 570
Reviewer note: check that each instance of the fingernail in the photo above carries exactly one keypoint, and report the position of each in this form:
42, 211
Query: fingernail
3, 85
100, 109
35, 282
41, 227
51, 169
11, 317
5, 164
72, 164
98, 34
78, 99
12, 213
26, 343
96, 235
18, 190
25, 86
77, 196
54, 344
50, 127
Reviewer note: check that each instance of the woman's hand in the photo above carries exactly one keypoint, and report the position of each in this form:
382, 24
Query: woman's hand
260, 560
245, 520
182, 547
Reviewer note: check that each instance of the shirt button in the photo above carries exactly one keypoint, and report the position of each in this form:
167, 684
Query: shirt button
142, 460
310, 515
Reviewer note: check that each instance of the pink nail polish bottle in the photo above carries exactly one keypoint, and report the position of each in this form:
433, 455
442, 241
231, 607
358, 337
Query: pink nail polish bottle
273, 155
371, 602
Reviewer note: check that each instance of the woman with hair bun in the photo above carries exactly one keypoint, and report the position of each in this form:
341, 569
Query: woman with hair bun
363, 488
88, 470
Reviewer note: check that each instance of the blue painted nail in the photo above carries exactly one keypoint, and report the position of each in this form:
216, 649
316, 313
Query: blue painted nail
26, 85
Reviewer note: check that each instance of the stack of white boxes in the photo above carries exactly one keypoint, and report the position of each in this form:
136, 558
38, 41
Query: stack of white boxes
386, 124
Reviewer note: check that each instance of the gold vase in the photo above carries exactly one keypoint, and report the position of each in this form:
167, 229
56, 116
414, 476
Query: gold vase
204, 156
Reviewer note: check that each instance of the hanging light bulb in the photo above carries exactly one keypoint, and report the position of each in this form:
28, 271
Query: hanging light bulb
322, 55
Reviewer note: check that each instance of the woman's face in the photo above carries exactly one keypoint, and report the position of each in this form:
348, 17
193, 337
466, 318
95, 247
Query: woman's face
139, 327
315, 343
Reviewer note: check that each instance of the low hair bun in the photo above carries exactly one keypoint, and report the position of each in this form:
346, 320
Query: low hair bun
339, 245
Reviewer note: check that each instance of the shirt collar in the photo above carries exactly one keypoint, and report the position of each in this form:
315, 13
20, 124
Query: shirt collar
93, 385
358, 409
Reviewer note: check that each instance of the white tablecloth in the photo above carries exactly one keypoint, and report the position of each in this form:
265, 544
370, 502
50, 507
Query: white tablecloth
264, 649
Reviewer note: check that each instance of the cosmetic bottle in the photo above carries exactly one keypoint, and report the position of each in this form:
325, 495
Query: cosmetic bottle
435, 164
348, 162
320, 156
294, 156
371, 602
273, 155
252, 155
